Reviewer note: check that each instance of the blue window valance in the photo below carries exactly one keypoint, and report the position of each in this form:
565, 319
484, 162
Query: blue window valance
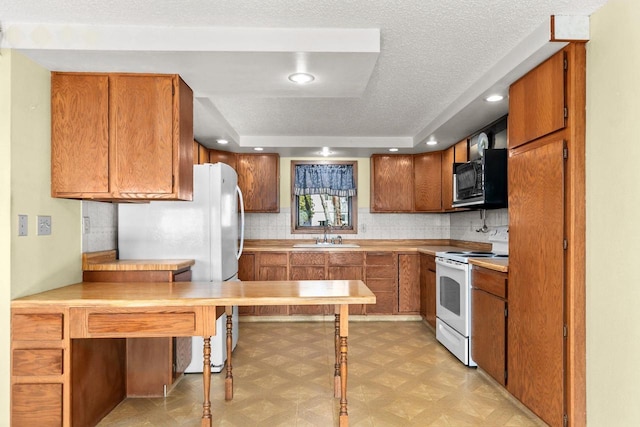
334, 180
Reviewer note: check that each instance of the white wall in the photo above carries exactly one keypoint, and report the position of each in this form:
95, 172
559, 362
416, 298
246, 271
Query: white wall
613, 203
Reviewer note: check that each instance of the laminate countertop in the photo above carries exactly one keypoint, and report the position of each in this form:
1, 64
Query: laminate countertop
429, 247
106, 261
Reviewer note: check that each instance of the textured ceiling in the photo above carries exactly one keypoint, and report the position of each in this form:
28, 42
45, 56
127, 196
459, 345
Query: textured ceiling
431, 53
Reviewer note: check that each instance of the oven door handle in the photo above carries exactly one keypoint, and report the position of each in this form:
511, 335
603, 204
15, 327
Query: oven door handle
455, 266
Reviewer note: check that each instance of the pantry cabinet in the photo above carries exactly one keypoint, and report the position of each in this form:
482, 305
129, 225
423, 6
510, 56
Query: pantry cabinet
489, 321
547, 239
121, 137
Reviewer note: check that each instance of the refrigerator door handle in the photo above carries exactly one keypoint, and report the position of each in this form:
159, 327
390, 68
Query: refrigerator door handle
241, 222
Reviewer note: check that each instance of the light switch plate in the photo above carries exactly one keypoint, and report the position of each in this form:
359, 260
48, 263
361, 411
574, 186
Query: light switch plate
23, 225
44, 225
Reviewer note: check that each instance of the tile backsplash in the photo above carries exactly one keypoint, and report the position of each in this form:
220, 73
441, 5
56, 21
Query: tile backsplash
102, 232
458, 225
103, 226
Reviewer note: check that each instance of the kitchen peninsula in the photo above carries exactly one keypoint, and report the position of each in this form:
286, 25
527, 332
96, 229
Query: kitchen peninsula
45, 325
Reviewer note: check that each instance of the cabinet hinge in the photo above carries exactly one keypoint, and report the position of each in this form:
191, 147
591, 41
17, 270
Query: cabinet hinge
566, 64
506, 312
505, 376
564, 331
565, 153
565, 244
565, 420
173, 181
566, 112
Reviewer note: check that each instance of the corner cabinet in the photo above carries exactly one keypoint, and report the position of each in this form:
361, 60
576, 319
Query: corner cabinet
121, 137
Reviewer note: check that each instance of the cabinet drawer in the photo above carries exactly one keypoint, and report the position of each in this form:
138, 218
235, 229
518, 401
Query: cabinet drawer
385, 285
346, 258
37, 327
273, 258
36, 405
381, 272
380, 258
30, 362
429, 262
490, 281
307, 258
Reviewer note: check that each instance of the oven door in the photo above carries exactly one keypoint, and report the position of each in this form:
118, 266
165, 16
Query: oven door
452, 295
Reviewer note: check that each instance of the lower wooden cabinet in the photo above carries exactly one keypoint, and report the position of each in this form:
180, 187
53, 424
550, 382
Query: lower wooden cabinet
272, 266
409, 283
381, 276
489, 322
347, 266
152, 364
428, 288
247, 272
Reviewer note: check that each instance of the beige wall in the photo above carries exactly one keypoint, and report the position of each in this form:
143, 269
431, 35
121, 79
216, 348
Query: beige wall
363, 178
5, 230
32, 263
613, 203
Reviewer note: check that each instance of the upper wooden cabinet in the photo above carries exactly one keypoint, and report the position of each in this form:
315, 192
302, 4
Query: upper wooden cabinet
537, 102
121, 136
200, 154
259, 180
461, 151
427, 169
391, 183
448, 158
217, 156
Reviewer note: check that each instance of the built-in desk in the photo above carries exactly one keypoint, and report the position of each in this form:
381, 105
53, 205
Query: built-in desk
43, 327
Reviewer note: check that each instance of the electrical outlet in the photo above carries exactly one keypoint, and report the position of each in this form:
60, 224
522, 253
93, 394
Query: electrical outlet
86, 225
23, 225
44, 225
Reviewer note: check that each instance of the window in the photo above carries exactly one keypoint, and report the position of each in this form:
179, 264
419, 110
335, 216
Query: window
324, 194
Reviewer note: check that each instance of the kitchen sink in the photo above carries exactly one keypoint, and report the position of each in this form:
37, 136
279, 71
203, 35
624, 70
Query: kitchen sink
326, 245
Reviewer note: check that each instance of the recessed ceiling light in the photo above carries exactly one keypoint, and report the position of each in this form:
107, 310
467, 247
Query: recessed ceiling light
393, 150
222, 141
494, 98
432, 142
258, 149
325, 151
301, 78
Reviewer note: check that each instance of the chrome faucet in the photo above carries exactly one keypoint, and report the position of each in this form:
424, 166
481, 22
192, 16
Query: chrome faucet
326, 227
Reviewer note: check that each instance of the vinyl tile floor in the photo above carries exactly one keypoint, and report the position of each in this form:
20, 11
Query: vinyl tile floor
398, 375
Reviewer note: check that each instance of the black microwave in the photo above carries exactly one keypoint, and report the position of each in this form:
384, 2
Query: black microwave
481, 183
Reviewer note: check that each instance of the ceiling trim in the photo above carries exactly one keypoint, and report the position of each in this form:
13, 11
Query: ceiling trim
327, 141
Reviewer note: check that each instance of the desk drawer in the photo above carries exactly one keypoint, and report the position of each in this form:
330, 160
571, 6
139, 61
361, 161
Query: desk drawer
32, 362
178, 323
37, 327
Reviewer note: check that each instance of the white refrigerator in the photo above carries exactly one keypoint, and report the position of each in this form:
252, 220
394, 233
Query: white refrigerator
209, 229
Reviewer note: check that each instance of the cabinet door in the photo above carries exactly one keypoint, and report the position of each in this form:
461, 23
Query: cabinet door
259, 180
427, 175
79, 134
461, 151
447, 179
247, 272
142, 139
272, 266
535, 356
536, 102
428, 288
382, 278
308, 266
218, 156
408, 283
347, 266
391, 183
488, 334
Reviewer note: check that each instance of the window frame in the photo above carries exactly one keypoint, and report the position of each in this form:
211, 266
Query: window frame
353, 205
